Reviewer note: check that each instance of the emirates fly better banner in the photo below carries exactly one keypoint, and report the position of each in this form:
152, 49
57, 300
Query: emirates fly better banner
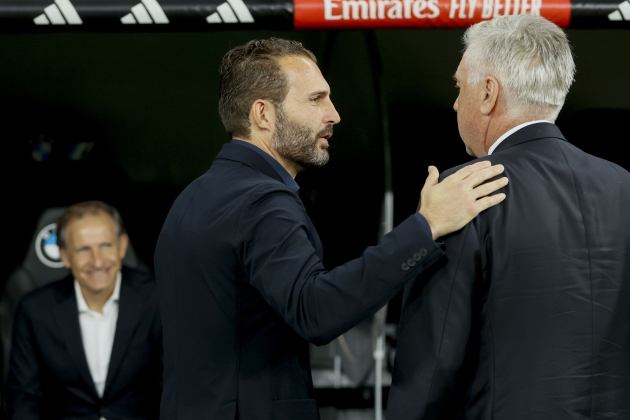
344, 14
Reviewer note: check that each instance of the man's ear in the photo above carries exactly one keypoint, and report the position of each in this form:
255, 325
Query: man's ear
123, 243
489, 95
64, 258
262, 116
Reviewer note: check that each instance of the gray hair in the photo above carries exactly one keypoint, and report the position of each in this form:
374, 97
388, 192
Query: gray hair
530, 57
79, 211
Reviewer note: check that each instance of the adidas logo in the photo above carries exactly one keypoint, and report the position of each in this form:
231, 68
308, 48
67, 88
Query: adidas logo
61, 12
238, 12
623, 13
148, 11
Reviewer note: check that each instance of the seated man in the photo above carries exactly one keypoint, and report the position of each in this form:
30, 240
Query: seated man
530, 317
88, 346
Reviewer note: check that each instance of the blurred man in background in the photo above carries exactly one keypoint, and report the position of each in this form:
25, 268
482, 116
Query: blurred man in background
530, 318
88, 346
242, 284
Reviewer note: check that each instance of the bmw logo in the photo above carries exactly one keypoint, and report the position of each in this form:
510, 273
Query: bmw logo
46, 247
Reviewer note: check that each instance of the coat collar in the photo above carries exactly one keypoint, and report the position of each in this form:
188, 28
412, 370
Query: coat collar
130, 310
531, 132
238, 153
66, 314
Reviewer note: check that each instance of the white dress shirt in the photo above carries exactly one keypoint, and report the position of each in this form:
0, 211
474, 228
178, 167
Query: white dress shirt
97, 333
512, 131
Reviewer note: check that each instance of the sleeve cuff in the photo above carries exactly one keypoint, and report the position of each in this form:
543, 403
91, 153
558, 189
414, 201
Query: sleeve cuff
420, 218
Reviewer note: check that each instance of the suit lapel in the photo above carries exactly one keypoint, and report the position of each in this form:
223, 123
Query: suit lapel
129, 313
67, 317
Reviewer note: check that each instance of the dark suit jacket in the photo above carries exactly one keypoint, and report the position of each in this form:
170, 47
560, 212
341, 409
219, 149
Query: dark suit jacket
243, 291
530, 317
49, 376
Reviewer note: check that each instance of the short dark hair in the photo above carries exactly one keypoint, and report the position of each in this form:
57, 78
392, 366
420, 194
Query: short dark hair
80, 210
250, 72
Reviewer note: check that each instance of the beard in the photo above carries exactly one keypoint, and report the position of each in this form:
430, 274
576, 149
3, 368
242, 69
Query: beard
298, 143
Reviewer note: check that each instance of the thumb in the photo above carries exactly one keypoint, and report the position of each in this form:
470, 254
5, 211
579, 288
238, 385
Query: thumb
433, 177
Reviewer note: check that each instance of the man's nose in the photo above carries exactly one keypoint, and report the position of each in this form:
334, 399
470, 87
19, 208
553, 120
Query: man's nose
332, 116
97, 259
455, 105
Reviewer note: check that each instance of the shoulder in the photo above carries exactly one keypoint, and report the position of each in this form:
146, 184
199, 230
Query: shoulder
594, 161
494, 159
273, 198
47, 295
243, 181
271, 208
140, 289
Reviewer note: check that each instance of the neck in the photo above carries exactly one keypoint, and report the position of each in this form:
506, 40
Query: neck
96, 300
499, 126
264, 144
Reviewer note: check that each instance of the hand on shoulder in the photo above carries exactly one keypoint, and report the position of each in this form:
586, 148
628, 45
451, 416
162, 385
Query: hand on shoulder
449, 205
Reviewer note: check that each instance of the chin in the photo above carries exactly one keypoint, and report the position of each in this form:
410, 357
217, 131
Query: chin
99, 284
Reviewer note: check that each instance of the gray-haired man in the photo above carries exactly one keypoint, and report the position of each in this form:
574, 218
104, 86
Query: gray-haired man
529, 319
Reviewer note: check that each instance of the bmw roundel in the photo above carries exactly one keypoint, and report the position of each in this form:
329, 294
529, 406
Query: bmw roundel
46, 247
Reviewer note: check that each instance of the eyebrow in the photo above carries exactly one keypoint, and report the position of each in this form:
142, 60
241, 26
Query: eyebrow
320, 93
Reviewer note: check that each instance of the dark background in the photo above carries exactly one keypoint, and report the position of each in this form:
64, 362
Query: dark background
148, 102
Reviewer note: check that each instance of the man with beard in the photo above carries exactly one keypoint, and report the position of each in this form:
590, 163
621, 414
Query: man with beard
239, 263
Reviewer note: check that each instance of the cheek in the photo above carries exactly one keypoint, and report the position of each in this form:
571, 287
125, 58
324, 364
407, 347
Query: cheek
111, 254
80, 261
466, 111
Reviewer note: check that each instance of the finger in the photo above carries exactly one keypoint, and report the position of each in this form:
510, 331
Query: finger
466, 171
483, 175
433, 177
487, 202
489, 187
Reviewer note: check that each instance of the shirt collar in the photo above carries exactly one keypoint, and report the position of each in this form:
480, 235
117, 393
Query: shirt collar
82, 304
286, 177
512, 131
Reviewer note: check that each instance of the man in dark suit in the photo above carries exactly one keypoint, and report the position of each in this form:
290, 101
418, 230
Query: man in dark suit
239, 264
530, 317
88, 346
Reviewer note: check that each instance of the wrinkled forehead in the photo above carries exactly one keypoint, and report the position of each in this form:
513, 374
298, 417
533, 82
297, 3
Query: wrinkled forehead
99, 219
460, 73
